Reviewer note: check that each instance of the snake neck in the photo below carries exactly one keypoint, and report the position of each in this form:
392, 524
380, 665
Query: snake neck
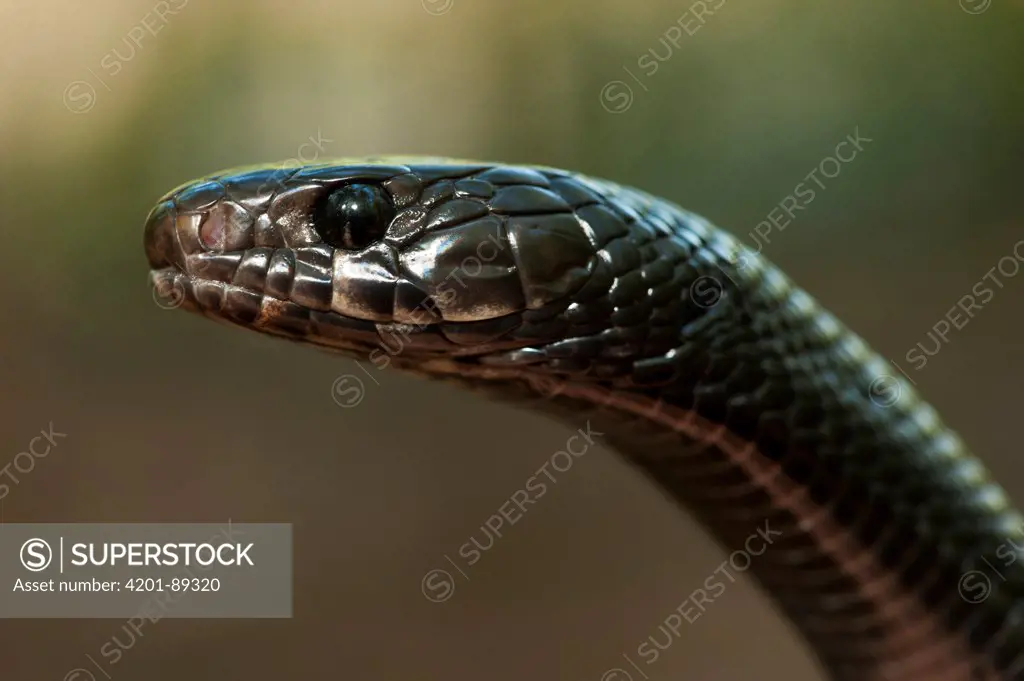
871, 597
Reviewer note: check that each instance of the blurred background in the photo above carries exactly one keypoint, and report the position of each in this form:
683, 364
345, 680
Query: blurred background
723, 106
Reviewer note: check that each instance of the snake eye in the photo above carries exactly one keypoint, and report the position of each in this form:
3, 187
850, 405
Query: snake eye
354, 216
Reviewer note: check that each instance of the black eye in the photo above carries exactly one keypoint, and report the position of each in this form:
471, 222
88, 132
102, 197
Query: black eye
354, 216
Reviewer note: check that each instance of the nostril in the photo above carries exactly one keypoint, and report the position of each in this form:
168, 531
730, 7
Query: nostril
213, 233
227, 227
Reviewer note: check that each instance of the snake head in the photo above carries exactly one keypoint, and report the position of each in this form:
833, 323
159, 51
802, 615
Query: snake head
414, 257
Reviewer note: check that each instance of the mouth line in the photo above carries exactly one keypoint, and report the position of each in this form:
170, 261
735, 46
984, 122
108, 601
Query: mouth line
405, 345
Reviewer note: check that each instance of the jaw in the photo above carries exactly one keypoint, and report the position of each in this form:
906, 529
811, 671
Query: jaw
440, 349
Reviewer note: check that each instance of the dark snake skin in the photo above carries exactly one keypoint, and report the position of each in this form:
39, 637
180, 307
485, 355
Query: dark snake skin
733, 390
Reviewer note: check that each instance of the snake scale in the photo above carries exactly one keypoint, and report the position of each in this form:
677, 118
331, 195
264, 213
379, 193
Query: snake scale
727, 385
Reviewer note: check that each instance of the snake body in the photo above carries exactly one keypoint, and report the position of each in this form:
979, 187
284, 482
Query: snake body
701, 363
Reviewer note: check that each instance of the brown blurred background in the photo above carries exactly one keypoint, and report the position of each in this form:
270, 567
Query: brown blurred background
107, 104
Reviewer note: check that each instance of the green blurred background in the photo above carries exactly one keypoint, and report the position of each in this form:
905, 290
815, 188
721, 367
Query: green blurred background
170, 418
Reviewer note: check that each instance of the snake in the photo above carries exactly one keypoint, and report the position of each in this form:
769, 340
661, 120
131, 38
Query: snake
892, 551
